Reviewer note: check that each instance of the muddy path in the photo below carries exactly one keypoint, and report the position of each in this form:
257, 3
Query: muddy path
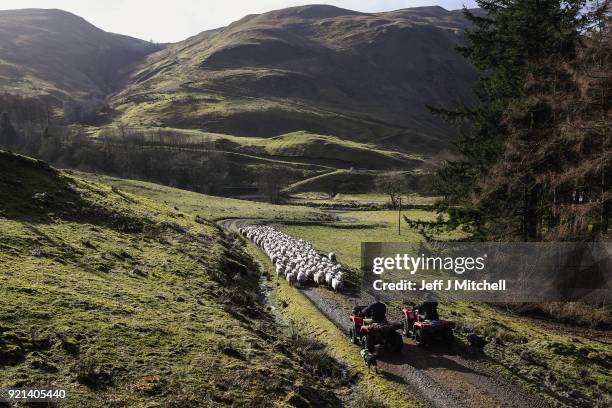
439, 376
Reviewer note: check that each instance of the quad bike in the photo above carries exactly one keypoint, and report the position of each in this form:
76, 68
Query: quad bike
370, 335
424, 331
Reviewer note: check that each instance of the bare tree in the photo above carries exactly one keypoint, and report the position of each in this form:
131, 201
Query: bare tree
391, 184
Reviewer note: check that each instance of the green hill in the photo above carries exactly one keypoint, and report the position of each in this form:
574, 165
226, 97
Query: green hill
320, 151
336, 151
59, 57
360, 76
114, 297
361, 79
295, 157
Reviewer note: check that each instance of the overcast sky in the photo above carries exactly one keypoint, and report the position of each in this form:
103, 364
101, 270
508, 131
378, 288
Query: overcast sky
175, 20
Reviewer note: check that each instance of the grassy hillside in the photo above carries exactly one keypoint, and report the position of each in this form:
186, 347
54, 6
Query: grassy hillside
60, 56
126, 302
356, 181
208, 207
338, 181
335, 150
570, 366
301, 149
362, 76
316, 161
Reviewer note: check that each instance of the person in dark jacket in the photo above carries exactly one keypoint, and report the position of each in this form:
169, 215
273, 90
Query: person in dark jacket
429, 308
377, 311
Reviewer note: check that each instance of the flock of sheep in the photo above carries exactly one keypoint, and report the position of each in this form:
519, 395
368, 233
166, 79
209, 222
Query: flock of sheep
296, 259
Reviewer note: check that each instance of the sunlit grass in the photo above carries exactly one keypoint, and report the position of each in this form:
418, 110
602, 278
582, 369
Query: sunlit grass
210, 207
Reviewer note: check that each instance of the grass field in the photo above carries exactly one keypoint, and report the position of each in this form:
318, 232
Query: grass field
124, 301
321, 198
208, 207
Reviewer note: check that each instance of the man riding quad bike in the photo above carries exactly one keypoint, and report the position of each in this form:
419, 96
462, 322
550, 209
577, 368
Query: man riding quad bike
370, 328
424, 325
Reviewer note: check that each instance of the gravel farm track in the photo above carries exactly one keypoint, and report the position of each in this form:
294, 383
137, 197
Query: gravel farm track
438, 376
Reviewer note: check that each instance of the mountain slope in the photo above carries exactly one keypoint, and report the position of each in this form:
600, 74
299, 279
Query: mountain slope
122, 301
55, 54
327, 70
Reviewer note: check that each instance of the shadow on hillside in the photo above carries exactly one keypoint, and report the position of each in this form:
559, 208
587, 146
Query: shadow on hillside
31, 191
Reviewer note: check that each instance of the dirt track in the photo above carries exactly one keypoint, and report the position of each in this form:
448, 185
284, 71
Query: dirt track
441, 377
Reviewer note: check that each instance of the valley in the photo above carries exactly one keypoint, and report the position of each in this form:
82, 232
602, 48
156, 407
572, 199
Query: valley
128, 169
458, 376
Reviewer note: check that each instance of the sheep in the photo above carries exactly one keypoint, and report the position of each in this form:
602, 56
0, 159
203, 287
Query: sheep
337, 284
279, 270
295, 259
291, 278
301, 278
319, 278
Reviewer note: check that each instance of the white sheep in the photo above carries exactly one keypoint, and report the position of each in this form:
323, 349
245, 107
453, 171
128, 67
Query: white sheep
290, 278
337, 284
280, 270
301, 278
295, 259
319, 277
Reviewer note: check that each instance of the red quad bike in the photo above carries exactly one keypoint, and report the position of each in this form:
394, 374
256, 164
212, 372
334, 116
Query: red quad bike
371, 335
426, 332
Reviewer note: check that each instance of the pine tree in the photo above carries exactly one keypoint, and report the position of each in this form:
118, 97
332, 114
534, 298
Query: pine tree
555, 170
578, 196
513, 46
515, 188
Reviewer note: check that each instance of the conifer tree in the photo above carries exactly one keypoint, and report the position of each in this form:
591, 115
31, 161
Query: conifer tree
517, 46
